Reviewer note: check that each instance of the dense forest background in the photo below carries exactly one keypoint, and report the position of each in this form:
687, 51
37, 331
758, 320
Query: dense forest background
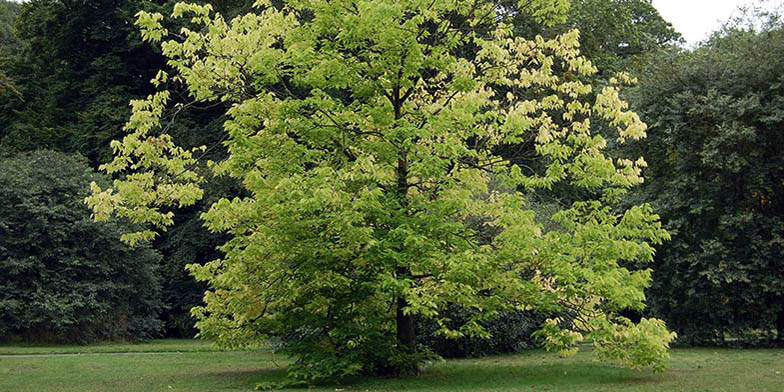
69, 68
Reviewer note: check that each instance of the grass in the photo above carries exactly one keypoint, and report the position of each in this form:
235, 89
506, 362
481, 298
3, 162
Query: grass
154, 346
196, 366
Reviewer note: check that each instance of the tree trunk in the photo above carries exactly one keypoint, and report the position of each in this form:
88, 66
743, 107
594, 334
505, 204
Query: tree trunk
406, 336
780, 325
406, 326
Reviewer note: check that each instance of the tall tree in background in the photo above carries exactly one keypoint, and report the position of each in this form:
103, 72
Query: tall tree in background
364, 133
614, 34
76, 66
80, 65
81, 62
9, 45
717, 175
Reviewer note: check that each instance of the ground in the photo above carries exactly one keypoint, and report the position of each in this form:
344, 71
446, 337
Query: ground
181, 365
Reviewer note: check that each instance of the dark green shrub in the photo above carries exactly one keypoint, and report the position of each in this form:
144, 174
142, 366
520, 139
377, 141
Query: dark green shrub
64, 277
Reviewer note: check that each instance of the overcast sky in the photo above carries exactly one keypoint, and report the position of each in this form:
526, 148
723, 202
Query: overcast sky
696, 19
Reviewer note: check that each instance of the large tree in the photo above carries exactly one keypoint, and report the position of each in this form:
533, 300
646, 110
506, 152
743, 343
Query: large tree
80, 62
717, 175
365, 133
617, 34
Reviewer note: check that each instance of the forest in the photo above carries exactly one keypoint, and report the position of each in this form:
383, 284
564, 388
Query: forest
372, 185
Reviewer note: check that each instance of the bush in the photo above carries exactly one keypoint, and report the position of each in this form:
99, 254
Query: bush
63, 277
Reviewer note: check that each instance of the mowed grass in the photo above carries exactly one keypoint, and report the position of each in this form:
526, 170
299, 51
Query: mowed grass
196, 366
158, 345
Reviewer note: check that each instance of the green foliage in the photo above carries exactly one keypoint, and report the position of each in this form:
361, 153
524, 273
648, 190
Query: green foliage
9, 11
642, 342
82, 103
189, 242
510, 332
616, 35
79, 65
9, 44
365, 136
716, 116
64, 277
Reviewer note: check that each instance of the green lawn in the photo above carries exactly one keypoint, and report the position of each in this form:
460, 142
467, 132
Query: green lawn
159, 345
191, 366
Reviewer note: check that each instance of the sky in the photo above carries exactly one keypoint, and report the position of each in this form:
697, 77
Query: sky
696, 19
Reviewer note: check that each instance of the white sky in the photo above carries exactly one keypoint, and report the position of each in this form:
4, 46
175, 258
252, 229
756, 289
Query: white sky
696, 19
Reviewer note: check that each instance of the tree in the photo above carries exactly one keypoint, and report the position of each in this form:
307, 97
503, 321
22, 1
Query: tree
80, 62
81, 104
9, 44
614, 34
364, 133
9, 11
716, 116
63, 277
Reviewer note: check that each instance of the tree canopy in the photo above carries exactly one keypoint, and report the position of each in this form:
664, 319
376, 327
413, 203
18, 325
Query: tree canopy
9, 44
80, 64
614, 34
716, 172
364, 133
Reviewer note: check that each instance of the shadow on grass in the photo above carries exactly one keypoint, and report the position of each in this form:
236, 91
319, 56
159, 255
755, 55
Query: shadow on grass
245, 379
489, 375
501, 373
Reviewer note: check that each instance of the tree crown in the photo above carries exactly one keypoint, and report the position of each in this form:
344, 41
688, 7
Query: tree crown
367, 133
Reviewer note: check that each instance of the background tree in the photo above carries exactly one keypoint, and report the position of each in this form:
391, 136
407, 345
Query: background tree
9, 44
716, 175
81, 62
82, 103
614, 34
364, 134
9, 10
63, 277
